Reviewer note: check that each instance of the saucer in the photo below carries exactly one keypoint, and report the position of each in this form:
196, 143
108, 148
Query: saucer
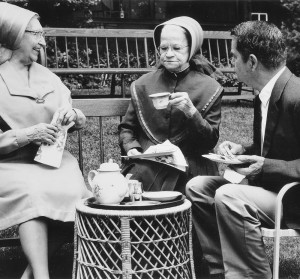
161, 195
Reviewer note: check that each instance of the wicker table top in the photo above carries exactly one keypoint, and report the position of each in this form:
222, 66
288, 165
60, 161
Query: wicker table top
82, 207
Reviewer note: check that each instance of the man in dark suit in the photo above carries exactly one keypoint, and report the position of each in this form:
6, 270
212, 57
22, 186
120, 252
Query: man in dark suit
227, 217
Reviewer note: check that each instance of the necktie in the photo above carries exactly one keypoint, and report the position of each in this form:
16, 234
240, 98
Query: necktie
257, 126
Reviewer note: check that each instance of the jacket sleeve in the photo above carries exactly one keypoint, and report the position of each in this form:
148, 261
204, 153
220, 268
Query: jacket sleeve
128, 131
280, 170
249, 149
11, 140
205, 130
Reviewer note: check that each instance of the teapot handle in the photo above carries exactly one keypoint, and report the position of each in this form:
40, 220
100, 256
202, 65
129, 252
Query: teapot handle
91, 176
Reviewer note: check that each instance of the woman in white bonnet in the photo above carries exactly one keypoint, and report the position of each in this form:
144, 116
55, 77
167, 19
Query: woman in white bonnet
191, 120
38, 198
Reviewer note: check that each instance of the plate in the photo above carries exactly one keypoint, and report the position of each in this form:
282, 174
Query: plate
222, 159
161, 195
138, 205
157, 154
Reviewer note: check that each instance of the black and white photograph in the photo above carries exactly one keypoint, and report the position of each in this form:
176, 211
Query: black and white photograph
149, 139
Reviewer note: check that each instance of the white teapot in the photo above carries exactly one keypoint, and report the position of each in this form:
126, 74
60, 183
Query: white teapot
108, 184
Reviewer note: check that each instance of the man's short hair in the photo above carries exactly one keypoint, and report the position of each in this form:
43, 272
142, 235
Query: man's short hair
262, 39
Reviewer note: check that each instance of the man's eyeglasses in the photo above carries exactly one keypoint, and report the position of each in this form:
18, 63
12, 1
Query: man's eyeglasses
37, 34
175, 48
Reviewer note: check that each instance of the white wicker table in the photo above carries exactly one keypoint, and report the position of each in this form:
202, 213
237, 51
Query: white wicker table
133, 244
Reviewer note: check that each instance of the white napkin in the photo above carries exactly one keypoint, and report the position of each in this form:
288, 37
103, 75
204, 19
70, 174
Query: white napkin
51, 155
233, 176
177, 159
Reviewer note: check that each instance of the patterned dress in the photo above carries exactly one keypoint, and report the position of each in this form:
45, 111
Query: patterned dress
29, 189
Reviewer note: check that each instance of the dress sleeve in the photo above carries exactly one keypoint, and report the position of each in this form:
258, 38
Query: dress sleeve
282, 170
205, 130
11, 140
128, 131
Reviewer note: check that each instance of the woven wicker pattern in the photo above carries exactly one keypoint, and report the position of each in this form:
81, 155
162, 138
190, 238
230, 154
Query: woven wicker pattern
133, 247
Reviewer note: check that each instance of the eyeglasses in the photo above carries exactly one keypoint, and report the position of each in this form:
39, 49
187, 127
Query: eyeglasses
174, 48
37, 34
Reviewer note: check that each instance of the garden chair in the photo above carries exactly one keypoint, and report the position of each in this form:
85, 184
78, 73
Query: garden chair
277, 232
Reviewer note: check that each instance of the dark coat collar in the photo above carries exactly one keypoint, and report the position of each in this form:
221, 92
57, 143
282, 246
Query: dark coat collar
176, 76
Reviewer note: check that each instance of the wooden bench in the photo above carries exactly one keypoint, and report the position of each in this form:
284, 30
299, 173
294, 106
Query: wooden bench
122, 53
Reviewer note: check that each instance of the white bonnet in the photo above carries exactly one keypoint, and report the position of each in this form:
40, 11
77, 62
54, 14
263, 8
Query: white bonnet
13, 22
192, 27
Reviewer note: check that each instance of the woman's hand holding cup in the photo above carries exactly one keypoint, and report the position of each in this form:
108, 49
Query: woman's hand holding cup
182, 101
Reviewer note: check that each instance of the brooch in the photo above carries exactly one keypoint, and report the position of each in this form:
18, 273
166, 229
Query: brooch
39, 101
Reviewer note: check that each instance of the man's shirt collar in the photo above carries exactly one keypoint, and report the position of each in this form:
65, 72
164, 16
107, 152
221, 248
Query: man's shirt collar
265, 93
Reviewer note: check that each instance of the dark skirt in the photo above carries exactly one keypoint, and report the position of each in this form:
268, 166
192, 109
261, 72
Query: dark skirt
155, 176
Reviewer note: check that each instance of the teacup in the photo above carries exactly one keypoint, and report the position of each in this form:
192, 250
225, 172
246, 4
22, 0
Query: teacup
160, 100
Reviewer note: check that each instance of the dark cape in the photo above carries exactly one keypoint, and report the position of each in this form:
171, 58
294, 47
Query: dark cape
144, 126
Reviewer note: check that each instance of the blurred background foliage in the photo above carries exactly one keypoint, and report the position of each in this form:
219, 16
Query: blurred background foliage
291, 29
58, 13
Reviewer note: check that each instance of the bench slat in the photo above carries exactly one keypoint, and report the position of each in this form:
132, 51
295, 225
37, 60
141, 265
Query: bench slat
101, 70
102, 107
114, 70
121, 33
109, 33
8, 242
238, 97
217, 35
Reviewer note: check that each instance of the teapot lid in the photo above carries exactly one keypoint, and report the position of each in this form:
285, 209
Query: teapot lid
109, 166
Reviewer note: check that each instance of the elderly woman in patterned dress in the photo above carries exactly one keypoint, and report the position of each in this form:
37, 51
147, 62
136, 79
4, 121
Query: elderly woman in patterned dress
38, 198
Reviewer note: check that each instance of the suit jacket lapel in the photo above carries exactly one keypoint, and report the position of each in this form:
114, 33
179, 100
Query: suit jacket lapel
273, 110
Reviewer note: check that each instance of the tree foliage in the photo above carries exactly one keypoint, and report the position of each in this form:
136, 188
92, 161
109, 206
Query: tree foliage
291, 29
59, 13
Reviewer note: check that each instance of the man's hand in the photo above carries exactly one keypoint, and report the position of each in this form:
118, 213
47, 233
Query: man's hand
229, 149
254, 169
182, 101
